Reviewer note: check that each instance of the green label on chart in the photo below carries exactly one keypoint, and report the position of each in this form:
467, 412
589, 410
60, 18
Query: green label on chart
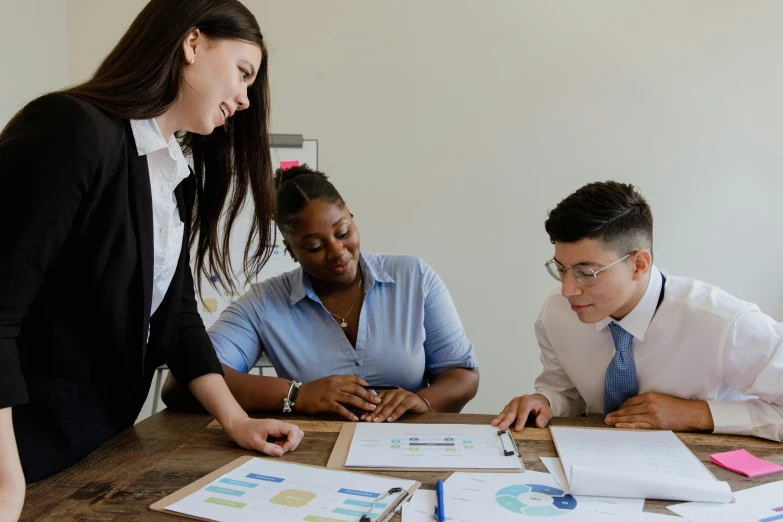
225, 503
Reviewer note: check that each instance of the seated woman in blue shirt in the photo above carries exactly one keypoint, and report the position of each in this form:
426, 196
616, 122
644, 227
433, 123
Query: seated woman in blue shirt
344, 321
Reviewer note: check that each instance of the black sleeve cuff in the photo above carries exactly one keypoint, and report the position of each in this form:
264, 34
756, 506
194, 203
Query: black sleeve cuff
195, 356
13, 390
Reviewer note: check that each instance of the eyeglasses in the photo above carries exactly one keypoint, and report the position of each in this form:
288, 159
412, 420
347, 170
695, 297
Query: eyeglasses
583, 274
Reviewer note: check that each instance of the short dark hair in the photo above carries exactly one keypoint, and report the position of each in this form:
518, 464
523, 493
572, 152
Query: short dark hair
616, 213
298, 186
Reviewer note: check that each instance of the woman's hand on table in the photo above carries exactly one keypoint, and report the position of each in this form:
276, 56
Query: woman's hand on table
332, 394
393, 404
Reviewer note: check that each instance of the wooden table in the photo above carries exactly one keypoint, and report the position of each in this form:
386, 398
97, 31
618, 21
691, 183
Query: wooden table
170, 450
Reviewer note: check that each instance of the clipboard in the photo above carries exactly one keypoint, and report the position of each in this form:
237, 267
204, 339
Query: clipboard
161, 505
343, 445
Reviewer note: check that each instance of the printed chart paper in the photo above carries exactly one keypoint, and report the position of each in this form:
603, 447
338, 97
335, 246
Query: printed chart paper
279, 492
759, 504
513, 497
435, 446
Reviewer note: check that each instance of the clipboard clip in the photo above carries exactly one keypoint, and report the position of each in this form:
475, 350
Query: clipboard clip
390, 510
507, 452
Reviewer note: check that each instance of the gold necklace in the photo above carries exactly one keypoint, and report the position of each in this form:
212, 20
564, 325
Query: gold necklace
343, 323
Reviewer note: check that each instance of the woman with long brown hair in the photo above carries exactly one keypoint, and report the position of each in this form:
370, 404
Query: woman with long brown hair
99, 210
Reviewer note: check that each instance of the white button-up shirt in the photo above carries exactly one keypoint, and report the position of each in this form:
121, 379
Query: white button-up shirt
701, 344
167, 167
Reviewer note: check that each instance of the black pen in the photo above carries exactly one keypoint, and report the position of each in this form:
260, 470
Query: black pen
381, 387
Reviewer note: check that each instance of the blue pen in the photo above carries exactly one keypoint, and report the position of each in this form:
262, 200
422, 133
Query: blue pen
440, 508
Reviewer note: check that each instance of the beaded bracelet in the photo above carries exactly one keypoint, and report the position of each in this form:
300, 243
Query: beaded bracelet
290, 400
295, 394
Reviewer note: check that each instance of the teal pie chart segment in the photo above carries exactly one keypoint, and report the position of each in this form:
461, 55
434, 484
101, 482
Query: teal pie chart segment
535, 500
514, 491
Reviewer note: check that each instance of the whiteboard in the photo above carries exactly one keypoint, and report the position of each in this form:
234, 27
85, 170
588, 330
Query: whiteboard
214, 300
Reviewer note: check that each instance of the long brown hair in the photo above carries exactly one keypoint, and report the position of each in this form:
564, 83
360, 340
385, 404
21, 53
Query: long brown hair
140, 79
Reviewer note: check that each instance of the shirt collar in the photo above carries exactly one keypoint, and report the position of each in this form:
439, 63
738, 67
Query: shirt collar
148, 136
373, 272
149, 139
638, 320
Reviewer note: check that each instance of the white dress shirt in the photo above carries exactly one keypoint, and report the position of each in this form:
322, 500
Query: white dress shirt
701, 344
167, 167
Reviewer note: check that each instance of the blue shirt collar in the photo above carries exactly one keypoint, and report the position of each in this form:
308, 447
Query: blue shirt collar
302, 287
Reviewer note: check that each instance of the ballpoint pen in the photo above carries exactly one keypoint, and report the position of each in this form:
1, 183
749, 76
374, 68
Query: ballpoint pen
440, 508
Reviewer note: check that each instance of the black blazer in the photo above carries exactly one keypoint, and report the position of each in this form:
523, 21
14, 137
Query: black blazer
76, 261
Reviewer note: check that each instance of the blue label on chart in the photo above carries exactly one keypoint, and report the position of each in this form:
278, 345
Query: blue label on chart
225, 491
238, 483
359, 493
265, 478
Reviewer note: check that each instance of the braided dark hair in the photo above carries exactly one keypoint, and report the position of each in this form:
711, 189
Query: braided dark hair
298, 186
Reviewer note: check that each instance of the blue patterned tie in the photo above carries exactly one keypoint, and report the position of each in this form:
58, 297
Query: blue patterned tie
620, 384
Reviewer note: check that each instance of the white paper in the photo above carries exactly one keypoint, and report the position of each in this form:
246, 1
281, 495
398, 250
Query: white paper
513, 497
634, 464
592, 481
435, 446
555, 468
655, 517
275, 491
762, 503
421, 507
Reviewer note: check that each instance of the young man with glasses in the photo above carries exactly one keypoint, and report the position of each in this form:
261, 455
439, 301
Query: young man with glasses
644, 348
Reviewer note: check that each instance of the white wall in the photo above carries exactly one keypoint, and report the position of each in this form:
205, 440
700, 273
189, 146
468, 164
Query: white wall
452, 126
33, 53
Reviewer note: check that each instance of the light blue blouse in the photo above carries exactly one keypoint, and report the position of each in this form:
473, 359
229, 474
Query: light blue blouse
409, 329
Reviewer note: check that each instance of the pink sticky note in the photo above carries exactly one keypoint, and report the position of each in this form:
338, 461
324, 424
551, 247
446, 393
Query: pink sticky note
740, 461
285, 165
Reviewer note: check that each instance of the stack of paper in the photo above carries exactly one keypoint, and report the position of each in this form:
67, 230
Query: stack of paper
634, 464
